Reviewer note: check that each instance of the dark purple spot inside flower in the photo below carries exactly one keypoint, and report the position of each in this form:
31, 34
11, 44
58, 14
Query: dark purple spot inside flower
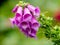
35, 24
27, 16
24, 23
37, 10
30, 24
17, 15
33, 31
17, 22
13, 22
27, 31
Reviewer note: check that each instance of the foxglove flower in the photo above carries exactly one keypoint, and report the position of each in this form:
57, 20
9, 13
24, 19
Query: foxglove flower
32, 33
18, 16
19, 11
24, 25
12, 21
25, 19
15, 9
35, 24
34, 10
27, 15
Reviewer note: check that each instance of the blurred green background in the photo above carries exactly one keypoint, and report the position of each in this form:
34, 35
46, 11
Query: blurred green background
12, 36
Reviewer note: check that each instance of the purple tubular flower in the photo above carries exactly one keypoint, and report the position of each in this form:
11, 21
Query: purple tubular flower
37, 12
18, 15
27, 31
12, 21
18, 19
15, 9
19, 11
24, 25
34, 10
32, 33
35, 24
27, 15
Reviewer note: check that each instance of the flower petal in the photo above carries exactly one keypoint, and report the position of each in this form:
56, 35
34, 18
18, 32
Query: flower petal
24, 24
31, 8
18, 19
19, 11
34, 10
37, 12
35, 24
12, 21
27, 15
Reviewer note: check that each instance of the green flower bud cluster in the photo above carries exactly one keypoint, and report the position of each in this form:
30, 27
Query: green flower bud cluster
51, 31
55, 35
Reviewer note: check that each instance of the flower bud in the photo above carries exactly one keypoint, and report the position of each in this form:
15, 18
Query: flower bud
15, 9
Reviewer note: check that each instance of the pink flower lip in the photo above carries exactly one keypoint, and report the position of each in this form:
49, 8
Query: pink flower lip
34, 20
12, 21
24, 25
35, 24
